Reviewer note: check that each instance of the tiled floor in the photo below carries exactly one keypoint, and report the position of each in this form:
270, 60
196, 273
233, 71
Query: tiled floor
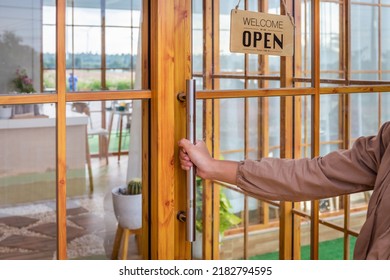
34, 234
28, 231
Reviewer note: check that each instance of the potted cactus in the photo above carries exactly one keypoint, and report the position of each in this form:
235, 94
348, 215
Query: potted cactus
127, 202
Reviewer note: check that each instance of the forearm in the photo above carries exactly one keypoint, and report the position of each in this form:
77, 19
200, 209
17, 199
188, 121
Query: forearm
304, 179
223, 170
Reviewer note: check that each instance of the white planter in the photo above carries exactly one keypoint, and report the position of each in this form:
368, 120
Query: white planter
5, 113
127, 209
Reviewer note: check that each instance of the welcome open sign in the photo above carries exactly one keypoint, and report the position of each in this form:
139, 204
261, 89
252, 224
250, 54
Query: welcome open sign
260, 33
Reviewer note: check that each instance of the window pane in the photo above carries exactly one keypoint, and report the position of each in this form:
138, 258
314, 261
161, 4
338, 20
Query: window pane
112, 132
364, 115
385, 106
330, 40
329, 126
305, 40
121, 41
123, 13
83, 80
81, 12
20, 46
28, 182
364, 38
84, 45
232, 129
305, 127
49, 12
385, 38
197, 51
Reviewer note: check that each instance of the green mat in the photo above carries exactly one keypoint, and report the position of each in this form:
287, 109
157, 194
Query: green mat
328, 250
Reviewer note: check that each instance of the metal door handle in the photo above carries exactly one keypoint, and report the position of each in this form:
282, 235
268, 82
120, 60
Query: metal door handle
191, 187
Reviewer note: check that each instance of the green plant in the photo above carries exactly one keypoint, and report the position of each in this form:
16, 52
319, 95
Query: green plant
134, 187
227, 218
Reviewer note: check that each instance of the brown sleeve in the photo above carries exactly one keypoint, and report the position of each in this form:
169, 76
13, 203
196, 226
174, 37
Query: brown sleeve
339, 172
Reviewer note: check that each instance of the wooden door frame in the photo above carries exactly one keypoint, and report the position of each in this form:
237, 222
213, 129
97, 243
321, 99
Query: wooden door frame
170, 30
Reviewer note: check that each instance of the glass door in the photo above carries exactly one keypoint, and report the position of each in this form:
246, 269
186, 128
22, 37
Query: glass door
253, 106
243, 112
76, 83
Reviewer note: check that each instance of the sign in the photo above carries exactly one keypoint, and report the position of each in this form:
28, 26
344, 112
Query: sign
261, 33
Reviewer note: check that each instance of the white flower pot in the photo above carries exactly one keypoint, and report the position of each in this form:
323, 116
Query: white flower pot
127, 209
5, 113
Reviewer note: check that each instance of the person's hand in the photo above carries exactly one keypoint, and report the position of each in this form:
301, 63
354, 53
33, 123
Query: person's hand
198, 155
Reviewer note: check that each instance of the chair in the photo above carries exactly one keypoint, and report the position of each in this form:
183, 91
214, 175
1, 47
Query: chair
126, 111
102, 133
124, 233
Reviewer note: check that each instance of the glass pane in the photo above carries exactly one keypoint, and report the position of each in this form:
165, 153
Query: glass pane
385, 38
197, 247
123, 13
330, 40
306, 126
87, 41
28, 182
368, 1
305, 41
197, 37
232, 129
121, 47
364, 115
255, 109
49, 12
49, 59
329, 123
364, 38
83, 80
231, 205
274, 127
197, 51
21, 44
49, 81
112, 132
118, 37
119, 79
385, 100
253, 5
81, 12
199, 119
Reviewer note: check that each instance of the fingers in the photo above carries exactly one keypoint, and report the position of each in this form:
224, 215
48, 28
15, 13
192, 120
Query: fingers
185, 167
185, 161
184, 143
183, 156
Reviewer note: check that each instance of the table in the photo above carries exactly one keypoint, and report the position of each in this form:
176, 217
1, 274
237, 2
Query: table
28, 158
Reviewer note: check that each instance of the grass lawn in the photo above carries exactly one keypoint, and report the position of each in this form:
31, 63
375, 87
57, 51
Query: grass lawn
329, 250
114, 141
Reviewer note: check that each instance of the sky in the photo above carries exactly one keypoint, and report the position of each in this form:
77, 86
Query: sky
120, 38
